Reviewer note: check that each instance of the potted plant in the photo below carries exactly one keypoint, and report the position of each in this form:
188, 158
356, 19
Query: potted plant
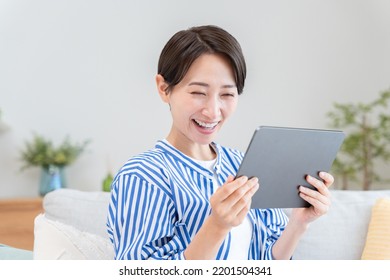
368, 139
52, 160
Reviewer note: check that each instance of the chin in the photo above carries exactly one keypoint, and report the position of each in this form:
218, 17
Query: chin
205, 140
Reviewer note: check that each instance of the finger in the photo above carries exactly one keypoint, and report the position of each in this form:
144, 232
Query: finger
244, 202
320, 207
230, 186
328, 178
318, 184
240, 192
229, 179
323, 198
224, 200
241, 215
233, 213
219, 199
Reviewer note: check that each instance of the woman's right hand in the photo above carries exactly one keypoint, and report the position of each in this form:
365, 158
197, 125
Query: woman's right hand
230, 204
232, 201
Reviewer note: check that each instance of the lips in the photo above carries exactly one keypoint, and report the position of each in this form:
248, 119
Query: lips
206, 125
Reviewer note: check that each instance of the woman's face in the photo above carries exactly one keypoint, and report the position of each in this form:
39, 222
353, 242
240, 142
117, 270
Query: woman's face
201, 103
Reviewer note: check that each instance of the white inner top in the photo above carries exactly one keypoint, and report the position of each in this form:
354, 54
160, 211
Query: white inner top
241, 235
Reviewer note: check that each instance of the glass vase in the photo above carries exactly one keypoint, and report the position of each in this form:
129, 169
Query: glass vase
52, 178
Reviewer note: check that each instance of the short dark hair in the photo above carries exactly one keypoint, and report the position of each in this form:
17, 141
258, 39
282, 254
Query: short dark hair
187, 45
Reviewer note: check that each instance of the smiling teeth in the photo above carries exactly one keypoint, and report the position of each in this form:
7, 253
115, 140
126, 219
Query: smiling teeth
206, 125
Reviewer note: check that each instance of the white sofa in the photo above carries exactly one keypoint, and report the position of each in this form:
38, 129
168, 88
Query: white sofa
73, 227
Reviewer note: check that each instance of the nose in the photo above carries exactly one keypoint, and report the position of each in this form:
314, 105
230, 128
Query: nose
212, 108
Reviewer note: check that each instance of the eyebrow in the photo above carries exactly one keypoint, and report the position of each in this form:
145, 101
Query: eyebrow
207, 85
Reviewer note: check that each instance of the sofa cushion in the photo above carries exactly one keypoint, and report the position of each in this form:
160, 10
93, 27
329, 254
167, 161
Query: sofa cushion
341, 233
377, 245
57, 241
85, 211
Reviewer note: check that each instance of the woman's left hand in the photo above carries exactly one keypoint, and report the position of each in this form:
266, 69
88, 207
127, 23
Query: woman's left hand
319, 200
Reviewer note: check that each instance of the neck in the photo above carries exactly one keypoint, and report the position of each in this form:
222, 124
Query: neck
193, 150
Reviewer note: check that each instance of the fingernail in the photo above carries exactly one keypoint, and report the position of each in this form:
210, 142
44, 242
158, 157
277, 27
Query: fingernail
243, 178
254, 179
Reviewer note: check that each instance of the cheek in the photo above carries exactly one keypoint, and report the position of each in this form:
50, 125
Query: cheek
181, 111
230, 107
190, 107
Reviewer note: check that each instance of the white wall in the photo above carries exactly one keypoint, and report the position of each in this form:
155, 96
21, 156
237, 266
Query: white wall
86, 69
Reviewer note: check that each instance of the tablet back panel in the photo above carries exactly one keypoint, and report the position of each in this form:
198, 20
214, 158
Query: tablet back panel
282, 157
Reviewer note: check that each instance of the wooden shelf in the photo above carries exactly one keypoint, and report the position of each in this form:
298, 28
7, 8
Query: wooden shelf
17, 221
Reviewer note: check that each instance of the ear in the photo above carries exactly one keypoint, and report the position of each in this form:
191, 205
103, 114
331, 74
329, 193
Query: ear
162, 88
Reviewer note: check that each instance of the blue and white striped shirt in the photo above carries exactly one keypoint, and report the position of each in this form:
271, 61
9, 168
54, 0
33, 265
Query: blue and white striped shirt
160, 199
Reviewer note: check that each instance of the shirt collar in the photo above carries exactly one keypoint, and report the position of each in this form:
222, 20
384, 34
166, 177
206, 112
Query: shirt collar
165, 146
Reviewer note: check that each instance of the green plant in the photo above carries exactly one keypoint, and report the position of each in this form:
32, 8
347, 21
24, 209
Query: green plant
42, 152
107, 181
368, 139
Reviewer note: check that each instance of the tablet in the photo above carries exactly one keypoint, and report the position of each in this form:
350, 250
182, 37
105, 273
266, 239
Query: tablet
281, 157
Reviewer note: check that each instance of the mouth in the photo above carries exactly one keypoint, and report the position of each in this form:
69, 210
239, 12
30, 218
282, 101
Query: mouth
206, 125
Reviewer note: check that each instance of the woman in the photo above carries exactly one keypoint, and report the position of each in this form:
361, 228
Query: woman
180, 200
